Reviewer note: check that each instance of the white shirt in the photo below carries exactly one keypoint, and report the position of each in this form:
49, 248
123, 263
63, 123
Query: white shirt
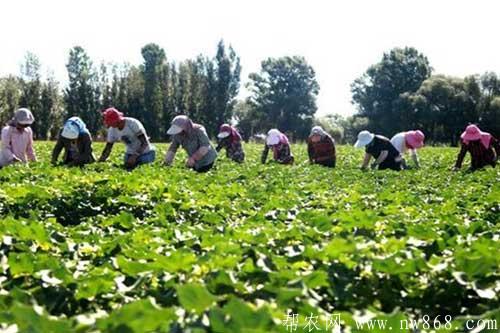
129, 135
399, 142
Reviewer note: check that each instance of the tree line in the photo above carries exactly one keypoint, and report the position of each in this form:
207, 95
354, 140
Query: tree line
398, 93
155, 91
401, 92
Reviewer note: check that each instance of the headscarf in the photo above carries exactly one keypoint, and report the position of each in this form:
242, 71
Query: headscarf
318, 130
74, 126
233, 132
22, 116
473, 133
275, 135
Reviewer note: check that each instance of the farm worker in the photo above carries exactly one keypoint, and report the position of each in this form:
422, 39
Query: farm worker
194, 139
76, 141
230, 139
484, 149
380, 148
321, 147
17, 139
409, 142
280, 146
131, 131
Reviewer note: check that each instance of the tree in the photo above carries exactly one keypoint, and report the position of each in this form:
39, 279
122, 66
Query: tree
10, 93
490, 118
82, 96
31, 91
332, 124
51, 118
227, 84
154, 60
284, 94
379, 92
445, 105
489, 105
105, 87
249, 122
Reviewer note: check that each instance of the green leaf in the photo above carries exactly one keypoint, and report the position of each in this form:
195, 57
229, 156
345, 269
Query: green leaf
195, 297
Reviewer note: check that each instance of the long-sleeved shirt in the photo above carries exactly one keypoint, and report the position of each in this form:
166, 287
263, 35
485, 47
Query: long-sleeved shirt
193, 141
234, 149
322, 151
281, 153
16, 143
76, 152
399, 142
480, 155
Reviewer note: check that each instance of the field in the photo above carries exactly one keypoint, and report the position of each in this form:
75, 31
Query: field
237, 249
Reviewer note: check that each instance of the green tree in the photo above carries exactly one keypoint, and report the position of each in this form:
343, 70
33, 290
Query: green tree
490, 118
10, 93
82, 96
332, 124
227, 84
134, 91
105, 87
31, 91
51, 118
284, 94
379, 92
445, 105
489, 105
154, 60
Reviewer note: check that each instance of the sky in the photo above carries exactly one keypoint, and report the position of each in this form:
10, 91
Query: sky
339, 39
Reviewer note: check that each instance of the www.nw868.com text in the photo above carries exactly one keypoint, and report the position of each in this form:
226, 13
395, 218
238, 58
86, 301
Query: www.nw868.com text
334, 323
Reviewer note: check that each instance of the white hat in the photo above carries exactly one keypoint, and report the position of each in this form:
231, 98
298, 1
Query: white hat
24, 116
273, 137
70, 131
364, 138
174, 129
223, 135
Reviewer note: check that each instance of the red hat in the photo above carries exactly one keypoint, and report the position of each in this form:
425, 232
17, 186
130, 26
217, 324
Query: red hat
112, 116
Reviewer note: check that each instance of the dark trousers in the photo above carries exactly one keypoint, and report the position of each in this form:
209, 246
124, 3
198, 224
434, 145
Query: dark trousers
390, 164
205, 168
327, 163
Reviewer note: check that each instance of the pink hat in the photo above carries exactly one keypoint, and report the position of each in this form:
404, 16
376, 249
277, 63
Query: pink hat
415, 139
112, 116
473, 133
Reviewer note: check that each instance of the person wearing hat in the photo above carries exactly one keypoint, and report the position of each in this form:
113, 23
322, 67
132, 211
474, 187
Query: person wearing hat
321, 147
280, 146
409, 142
484, 149
76, 141
230, 139
131, 131
380, 148
194, 139
17, 139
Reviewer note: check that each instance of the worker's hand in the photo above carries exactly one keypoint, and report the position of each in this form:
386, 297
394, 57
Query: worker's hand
131, 161
190, 162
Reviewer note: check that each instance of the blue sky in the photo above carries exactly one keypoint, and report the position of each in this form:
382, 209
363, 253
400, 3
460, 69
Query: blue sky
340, 39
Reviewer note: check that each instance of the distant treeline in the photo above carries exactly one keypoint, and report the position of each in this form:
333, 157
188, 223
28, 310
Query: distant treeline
396, 94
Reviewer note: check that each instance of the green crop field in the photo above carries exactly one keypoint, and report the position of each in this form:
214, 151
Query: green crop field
239, 248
